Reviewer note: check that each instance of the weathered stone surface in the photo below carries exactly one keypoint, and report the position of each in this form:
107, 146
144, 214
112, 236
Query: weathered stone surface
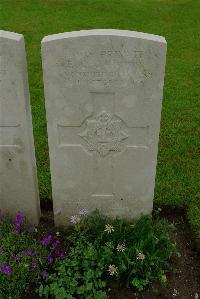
103, 92
18, 182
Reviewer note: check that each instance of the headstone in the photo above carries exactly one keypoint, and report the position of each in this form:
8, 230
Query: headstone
103, 92
18, 182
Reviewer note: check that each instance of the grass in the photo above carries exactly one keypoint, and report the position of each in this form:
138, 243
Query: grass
178, 171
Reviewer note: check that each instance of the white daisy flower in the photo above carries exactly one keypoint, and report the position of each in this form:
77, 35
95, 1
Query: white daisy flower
121, 247
75, 219
141, 256
109, 228
84, 212
112, 269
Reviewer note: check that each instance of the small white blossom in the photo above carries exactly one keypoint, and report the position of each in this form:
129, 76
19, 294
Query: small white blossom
84, 212
109, 228
112, 269
121, 247
141, 256
57, 234
36, 230
75, 219
175, 293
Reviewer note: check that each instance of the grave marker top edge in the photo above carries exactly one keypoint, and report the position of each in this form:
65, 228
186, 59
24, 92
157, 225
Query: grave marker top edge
11, 35
104, 32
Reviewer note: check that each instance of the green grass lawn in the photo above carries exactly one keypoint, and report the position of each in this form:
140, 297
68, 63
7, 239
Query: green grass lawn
178, 171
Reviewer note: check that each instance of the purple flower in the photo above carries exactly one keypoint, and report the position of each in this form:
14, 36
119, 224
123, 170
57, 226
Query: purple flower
50, 259
55, 244
18, 221
30, 228
27, 252
57, 251
1, 250
36, 252
43, 274
46, 240
17, 231
17, 258
19, 217
62, 255
7, 270
34, 265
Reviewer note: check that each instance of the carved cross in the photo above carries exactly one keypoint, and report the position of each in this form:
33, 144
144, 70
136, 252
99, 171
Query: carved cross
103, 135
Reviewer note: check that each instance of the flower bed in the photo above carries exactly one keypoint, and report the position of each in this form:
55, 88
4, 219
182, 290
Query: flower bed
24, 257
99, 250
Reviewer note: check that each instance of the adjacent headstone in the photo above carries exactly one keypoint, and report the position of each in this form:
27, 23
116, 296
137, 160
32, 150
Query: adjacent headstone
18, 182
103, 92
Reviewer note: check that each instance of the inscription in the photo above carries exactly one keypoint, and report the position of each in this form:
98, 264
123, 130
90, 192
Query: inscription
111, 53
135, 54
104, 134
92, 67
90, 74
78, 77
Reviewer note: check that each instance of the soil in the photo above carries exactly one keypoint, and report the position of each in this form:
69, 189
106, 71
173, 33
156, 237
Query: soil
183, 283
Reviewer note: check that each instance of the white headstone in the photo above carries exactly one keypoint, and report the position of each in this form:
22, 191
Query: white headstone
103, 92
18, 182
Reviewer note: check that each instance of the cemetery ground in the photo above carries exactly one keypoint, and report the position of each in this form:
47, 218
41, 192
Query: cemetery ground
178, 176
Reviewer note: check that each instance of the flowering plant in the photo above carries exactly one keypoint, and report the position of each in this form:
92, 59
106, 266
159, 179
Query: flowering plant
104, 249
24, 259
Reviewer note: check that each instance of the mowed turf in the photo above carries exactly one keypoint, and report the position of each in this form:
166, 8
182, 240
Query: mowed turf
178, 170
